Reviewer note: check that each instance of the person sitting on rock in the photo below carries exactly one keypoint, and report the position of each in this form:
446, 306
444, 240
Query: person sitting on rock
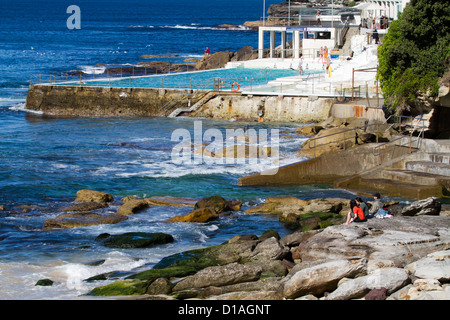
363, 207
356, 214
377, 204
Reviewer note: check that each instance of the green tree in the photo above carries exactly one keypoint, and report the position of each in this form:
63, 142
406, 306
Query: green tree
414, 54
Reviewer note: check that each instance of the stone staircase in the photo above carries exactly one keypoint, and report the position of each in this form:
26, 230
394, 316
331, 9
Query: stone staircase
423, 173
206, 97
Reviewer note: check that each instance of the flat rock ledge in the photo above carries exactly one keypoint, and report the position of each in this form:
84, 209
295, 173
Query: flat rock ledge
401, 258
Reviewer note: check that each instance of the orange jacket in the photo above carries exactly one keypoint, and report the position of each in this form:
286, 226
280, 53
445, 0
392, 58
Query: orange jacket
359, 213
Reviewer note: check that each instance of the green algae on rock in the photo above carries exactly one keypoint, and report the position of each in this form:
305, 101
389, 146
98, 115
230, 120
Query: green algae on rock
134, 239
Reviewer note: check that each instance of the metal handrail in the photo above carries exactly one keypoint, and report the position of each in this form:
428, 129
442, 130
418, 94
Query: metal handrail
339, 140
365, 128
410, 140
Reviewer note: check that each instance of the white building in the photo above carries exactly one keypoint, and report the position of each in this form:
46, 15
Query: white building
374, 9
312, 38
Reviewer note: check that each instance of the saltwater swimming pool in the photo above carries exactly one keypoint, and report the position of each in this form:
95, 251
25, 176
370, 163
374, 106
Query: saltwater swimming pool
224, 79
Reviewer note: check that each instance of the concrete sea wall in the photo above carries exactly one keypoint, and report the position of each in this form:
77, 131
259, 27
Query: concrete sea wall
267, 108
105, 101
99, 101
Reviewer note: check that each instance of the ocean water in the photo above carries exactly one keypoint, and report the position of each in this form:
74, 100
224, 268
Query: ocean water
44, 161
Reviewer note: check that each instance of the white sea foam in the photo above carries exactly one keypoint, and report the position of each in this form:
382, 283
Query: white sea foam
196, 27
65, 166
21, 107
92, 70
9, 101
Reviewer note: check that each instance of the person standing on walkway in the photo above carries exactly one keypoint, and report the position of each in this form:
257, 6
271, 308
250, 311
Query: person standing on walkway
375, 36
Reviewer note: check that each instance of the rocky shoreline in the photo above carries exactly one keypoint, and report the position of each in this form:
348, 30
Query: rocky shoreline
212, 61
406, 257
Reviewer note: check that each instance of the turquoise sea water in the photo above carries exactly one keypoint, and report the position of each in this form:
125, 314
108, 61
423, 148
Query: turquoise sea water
44, 161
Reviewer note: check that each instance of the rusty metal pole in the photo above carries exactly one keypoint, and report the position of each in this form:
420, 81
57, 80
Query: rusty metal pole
353, 80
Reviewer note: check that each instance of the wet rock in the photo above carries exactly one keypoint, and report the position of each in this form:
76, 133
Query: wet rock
200, 215
85, 207
279, 206
238, 251
81, 219
44, 283
167, 272
134, 239
218, 203
121, 288
171, 201
207, 209
235, 205
132, 206
93, 196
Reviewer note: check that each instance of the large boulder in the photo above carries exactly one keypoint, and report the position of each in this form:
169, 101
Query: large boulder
85, 206
269, 249
220, 276
81, 219
429, 206
391, 279
323, 277
400, 239
121, 288
245, 53
200, 215
218, 203
435, 265
171, 201
134, 239
132, 206
282, 205
214, 61
328, 140
93, 196
236, 251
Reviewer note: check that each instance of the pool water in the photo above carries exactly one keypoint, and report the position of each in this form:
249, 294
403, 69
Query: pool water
207, 80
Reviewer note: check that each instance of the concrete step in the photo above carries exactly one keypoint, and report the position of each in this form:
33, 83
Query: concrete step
399, 188
438, 168
412, 177
444, 145
439, 157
